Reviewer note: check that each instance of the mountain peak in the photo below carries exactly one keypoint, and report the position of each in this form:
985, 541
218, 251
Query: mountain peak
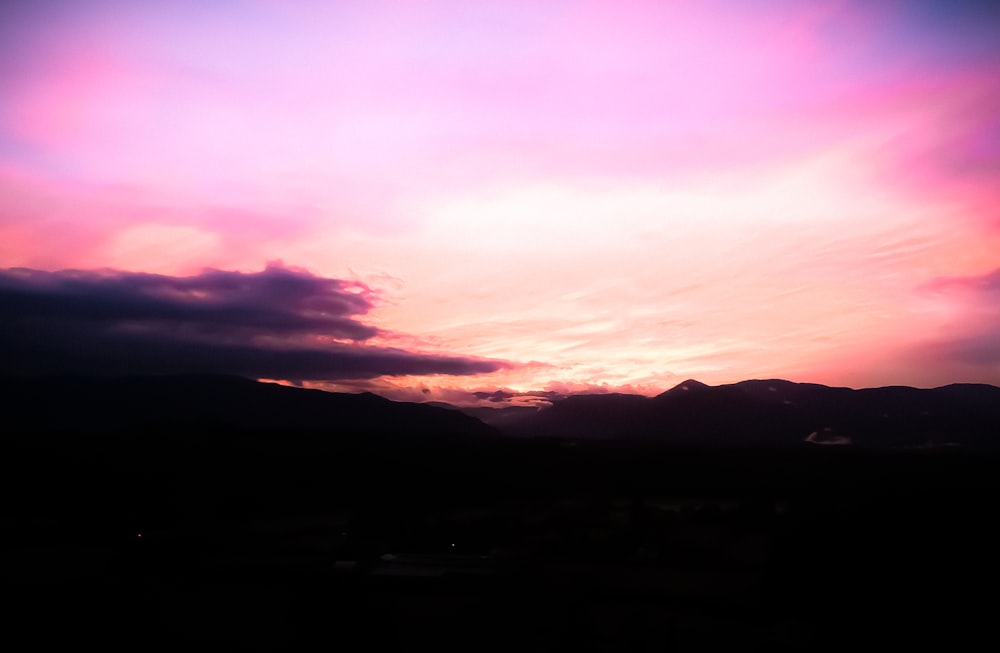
690, 385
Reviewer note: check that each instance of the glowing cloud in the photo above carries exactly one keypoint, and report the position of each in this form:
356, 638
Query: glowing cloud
620, 195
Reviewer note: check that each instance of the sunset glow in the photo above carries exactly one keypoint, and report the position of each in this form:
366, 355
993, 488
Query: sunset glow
556, 196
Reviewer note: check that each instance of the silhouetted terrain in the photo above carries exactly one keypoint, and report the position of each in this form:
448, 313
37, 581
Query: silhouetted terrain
774, 412
169, 512
206, 402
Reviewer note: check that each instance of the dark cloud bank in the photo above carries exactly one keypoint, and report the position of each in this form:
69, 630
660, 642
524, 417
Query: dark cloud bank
279, 323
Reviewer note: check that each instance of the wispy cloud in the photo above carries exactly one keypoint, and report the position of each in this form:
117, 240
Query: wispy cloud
970, 336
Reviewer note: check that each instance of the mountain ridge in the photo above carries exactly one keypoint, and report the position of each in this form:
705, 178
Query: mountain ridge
775, 411
753, 412
117, 404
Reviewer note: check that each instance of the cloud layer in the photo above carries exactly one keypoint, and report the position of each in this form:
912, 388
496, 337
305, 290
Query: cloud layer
279, 323
628, 193
973, 330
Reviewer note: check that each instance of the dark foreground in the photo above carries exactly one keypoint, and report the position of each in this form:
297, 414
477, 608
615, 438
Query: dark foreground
294, 541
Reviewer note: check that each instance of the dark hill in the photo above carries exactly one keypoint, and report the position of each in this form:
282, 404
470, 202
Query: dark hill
206, 403
613, 416
240, 523
775, 411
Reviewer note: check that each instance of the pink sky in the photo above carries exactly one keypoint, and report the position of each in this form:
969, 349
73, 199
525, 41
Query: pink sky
610, 195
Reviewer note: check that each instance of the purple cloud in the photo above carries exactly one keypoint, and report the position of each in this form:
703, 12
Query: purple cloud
988, 284
278, 323
504, 396
275, 301
975, 339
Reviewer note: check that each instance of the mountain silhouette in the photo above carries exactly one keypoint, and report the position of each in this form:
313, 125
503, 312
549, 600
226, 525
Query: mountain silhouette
209, 402
775, 411
210, 509
748, 413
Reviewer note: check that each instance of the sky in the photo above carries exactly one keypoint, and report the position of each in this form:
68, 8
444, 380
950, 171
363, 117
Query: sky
437, 200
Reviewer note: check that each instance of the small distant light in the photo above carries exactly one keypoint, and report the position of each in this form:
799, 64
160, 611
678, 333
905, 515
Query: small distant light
139, 535
453, 544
